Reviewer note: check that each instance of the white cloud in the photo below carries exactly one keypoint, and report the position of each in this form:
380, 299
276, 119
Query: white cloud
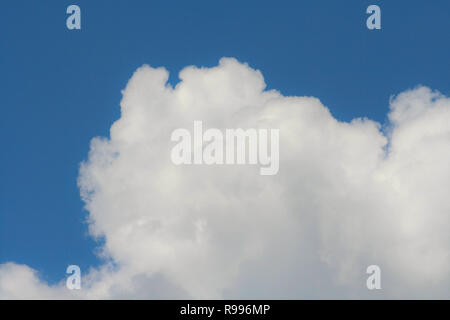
346, 196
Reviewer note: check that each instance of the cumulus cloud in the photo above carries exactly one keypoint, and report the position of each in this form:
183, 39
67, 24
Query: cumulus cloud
347, 195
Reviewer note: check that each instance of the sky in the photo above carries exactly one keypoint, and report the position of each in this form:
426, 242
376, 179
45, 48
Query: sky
60, 88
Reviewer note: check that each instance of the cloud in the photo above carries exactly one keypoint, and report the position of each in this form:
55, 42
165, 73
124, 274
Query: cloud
347, 195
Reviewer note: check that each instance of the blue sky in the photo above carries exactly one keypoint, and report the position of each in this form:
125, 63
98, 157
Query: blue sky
61, 88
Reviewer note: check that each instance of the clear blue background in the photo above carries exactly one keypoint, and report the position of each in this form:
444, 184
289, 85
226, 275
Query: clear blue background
60, 88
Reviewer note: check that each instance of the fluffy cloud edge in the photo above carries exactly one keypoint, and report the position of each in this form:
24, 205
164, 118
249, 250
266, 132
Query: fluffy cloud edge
418, 118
